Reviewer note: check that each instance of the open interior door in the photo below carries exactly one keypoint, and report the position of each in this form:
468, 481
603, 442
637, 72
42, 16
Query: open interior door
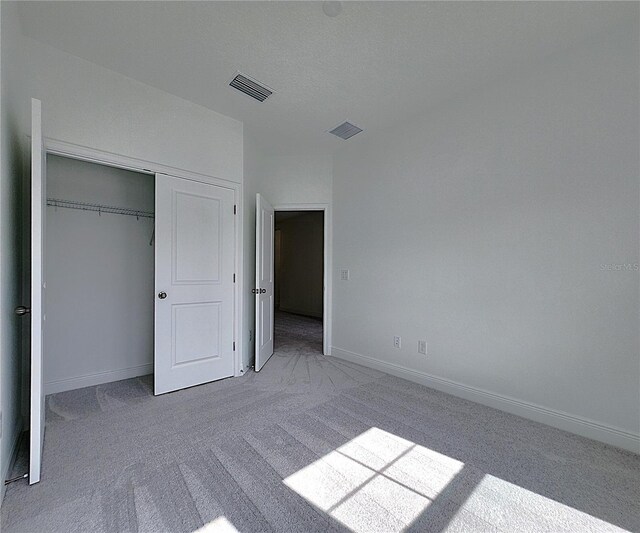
38, 212
264, 281
194, 277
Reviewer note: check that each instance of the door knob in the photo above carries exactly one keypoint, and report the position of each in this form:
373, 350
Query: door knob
162, 295
262, 291
22, 310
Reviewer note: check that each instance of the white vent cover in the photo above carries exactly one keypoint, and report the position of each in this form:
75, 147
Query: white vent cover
345, 130
251, 87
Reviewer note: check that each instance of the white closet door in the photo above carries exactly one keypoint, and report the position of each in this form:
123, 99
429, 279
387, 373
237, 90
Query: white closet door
194, 305
264, 281
38, 210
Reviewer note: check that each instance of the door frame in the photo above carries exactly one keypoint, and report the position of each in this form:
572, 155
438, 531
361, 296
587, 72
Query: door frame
326, 266
93, 155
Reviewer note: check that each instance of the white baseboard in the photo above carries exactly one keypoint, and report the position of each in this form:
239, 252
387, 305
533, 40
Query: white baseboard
52, 387
6, 469
558, 419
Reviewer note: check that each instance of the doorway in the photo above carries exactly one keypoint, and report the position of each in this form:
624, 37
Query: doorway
265, 260
299, 282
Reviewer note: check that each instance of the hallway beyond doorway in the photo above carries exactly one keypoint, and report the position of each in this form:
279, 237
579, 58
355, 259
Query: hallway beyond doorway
297, 333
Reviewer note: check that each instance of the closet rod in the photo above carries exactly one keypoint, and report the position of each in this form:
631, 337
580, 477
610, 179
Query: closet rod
70, 204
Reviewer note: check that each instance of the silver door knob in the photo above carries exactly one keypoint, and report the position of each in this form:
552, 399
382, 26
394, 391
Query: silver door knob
22, 310
162, 295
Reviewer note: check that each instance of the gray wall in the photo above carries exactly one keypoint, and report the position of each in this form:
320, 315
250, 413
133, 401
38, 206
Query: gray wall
100, 277
488, 227
11, 166
299, 276
251, 165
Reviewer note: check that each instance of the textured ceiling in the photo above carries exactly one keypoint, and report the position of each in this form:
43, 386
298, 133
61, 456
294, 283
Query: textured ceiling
374, 64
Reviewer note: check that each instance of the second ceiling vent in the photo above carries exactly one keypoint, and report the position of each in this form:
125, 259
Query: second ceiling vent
251, 87
345, 130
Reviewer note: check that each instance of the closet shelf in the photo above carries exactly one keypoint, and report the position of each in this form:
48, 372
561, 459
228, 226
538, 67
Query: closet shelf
70, 204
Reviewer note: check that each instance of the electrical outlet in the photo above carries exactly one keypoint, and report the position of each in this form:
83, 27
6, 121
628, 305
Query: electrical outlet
422, 347
397, 342
344, 274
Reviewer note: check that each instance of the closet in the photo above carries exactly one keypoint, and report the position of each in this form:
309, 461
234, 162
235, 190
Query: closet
99, 257
131, 272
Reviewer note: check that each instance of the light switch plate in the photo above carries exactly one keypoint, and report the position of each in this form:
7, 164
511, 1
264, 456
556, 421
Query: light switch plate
422, 347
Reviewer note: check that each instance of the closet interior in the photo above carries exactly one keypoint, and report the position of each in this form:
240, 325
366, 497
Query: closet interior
99, 257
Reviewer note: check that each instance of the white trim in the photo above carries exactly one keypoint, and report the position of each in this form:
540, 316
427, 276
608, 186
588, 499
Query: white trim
92, 155
101, 157
89, 380
552, 417
238, 367
327, 296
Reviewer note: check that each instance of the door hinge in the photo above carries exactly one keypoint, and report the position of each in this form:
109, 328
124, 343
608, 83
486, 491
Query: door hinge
234, 346
234, 278
235, 209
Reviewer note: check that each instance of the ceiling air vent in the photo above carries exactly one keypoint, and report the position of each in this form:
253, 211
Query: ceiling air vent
346, 130
251, 87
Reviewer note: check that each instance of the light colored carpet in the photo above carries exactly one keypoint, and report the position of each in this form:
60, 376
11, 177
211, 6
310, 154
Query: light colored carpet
313, 443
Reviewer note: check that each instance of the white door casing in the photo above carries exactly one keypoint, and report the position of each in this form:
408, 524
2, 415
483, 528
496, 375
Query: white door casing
38, 210
264, 281
194, 300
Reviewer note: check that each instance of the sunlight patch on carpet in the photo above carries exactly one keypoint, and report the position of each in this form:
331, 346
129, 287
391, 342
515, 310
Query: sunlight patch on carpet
219, 525
376, 481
